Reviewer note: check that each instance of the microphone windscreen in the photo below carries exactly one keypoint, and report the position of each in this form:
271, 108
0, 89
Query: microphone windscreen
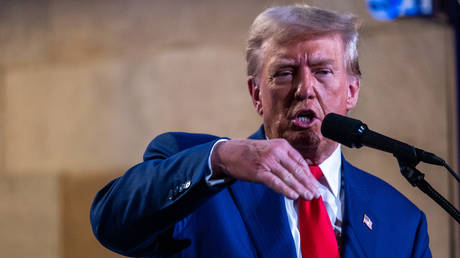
341, 129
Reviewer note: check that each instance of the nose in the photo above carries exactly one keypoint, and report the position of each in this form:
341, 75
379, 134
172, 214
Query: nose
305, 88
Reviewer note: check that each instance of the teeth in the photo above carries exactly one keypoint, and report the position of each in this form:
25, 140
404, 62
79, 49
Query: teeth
304, 119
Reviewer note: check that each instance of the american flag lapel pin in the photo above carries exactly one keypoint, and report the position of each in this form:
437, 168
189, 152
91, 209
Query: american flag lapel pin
367, 221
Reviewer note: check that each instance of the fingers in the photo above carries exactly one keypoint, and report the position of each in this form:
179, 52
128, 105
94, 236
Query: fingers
301, 171
291, 172
274, 163
290, 179
276, 184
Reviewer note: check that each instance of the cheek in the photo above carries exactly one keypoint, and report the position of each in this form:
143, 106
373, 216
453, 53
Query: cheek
280, 100
332, 98
275, 95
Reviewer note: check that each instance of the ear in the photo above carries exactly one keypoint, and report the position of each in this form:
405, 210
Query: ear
353, 92
254, 91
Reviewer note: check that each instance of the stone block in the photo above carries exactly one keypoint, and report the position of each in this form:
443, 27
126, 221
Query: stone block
113, 28
24, 31
77, 191
2, 121
101, 115
29, 216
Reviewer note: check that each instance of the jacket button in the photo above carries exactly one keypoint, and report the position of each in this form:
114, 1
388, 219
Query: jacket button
171, 195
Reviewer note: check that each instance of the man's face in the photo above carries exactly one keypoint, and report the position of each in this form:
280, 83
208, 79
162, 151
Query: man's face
298, 84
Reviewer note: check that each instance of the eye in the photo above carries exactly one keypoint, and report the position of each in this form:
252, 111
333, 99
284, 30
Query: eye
283, 76
323, 72
283, 73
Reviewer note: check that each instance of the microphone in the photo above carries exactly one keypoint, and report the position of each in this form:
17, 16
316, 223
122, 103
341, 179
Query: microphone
354, 134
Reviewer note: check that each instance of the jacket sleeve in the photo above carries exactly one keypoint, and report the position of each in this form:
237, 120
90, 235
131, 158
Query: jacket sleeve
133, 212
421, 247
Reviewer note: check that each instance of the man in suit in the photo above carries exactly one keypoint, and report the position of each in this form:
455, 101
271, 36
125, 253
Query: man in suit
284, 192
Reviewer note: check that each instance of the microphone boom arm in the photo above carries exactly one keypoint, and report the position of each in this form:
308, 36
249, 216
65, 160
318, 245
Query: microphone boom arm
355, 134
417, 179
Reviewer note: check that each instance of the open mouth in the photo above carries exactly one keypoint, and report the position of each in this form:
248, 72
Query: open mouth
304, 118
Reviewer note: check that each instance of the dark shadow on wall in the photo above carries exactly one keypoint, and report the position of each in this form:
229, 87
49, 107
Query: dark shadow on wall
77, 191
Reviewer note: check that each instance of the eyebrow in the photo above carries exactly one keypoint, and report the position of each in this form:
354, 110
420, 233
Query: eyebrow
282, 63
288, 62
320, 62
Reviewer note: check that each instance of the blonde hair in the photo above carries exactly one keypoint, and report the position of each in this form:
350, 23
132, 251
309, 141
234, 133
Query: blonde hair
284, 24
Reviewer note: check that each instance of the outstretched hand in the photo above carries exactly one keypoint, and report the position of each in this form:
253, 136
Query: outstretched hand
274, 163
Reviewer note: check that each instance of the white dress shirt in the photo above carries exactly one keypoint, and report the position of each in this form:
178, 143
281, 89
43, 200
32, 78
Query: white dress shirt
329, 189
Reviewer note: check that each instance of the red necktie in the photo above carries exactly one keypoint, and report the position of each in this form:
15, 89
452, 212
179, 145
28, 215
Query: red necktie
317, 238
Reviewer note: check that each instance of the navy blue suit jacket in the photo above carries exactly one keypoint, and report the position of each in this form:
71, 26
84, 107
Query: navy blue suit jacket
163, 207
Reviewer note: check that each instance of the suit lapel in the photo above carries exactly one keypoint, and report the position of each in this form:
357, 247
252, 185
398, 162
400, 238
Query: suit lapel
264, 214
359, 236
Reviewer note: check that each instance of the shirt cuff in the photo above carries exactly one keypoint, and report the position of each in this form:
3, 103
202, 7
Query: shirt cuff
214, 182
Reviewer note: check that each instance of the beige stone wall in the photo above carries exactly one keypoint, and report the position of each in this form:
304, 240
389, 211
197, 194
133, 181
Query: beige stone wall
85, 85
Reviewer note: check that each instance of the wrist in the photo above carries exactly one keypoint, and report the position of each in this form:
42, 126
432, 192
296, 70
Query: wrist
218, 169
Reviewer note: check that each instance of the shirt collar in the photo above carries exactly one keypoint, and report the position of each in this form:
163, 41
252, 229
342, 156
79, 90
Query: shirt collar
331, 170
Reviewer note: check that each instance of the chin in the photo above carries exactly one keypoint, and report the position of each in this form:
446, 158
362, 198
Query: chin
306, 142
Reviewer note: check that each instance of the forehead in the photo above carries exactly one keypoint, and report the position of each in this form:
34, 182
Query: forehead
317, 47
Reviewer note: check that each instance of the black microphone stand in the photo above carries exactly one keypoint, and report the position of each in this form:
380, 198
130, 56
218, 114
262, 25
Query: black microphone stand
416, 179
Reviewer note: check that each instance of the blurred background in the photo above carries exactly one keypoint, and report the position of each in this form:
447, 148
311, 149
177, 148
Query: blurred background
85, 85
